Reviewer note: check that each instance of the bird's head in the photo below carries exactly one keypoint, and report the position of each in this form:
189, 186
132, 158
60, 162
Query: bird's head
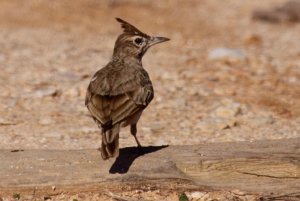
134, 43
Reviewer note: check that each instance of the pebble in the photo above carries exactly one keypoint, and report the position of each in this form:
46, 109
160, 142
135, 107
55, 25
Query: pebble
292, 79
44, 93
195, 195
228, 111
156, 126
6, 122
82, 90
211, 125
160, 141
68, 76
227, 54
46, 121
262, 120
72, 92
238, 192
287, 12
206, 197
145, 129
253, 39
180, 102
200, 91
221, 116
87, 129
2, 58
11, 103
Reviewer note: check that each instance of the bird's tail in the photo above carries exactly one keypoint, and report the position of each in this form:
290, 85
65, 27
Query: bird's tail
110, 142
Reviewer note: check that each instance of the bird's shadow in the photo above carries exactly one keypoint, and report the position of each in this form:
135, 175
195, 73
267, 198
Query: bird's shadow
128, 155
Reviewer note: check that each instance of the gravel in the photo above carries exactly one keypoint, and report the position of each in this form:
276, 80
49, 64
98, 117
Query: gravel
203, 91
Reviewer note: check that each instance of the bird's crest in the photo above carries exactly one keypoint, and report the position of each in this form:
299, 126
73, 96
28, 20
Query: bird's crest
129, 28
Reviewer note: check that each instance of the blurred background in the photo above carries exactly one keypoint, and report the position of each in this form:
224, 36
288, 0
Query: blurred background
231, 71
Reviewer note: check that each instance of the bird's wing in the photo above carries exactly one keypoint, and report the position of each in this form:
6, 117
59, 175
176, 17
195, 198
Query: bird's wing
112, 104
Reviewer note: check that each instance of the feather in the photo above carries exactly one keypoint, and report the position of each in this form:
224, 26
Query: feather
130, 29
110, 142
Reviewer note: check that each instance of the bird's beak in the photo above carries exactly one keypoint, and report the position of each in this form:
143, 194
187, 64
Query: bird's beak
156, 40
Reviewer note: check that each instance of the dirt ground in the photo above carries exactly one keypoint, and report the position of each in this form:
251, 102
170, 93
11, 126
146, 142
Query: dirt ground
50, 49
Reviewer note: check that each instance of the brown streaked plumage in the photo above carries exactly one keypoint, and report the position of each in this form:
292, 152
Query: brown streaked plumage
119, 92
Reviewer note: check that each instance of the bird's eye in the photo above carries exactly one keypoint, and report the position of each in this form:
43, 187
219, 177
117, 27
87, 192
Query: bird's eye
138, 41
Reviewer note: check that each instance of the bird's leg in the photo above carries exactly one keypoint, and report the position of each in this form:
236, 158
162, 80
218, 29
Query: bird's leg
133, 131
102, 133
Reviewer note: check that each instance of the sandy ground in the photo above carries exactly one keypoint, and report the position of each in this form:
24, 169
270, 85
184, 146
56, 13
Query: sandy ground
50, 50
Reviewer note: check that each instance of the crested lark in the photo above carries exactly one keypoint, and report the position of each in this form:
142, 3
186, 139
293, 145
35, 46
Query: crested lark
119, 92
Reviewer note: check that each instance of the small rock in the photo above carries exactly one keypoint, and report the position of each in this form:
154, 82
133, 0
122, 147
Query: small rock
82, 108
206, 197
287, 12
6, 122
227, 54
72, 92
68, 76
292, 79
180, 102
195, 195
86, 129
45, 92
228, 111
82, 90
81, 196
156, 127
225, 108
253, 39
146, 129
211, 125
200, 91
238, 192
160, 141
2, 58
167, 76
11, 103
43, 140
46, 121
262, 120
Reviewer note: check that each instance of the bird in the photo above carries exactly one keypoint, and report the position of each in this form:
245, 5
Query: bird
119, 92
